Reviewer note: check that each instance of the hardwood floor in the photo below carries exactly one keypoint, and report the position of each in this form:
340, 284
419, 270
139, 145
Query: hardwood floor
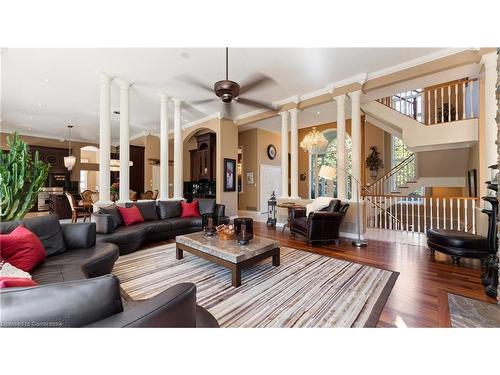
419, 298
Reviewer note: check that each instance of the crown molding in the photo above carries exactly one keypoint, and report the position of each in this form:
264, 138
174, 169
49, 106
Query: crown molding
217, 115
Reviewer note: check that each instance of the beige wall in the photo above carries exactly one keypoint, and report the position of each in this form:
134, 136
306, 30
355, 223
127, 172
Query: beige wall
248, 198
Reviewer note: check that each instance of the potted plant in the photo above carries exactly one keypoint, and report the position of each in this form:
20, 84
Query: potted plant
21, 178
373, 161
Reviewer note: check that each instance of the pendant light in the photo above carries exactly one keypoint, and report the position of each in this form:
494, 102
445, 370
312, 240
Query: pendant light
70, 160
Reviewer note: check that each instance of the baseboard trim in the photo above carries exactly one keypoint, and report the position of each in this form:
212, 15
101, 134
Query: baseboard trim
353, 236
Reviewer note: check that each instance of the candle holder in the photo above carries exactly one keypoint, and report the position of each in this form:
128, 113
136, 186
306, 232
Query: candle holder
244, 230
207, 224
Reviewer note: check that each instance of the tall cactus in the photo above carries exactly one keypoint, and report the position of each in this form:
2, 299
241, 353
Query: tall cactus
21, 178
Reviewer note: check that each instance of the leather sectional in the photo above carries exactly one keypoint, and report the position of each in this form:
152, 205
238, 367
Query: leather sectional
162, 222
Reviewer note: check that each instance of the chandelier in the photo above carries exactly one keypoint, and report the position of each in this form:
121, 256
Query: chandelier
314, 142
114, 165
70, 160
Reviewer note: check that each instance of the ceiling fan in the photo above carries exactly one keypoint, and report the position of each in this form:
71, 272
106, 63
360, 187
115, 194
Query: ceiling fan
229, 91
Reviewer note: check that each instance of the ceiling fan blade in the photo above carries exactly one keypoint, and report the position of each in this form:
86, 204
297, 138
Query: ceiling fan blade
255, 103
194, 82
203, 101
227, 110
256, 80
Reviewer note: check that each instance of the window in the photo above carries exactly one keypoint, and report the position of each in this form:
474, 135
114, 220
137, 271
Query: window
324, 187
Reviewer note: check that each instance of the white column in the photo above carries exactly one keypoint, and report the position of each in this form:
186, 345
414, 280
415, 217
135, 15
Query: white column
104, 139
124, 141
294, 151
163, 147
490, 106
355, 137
284, 153
341, 157
178, 150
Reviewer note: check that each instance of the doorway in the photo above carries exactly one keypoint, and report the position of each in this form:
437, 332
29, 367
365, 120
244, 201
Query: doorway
270, 180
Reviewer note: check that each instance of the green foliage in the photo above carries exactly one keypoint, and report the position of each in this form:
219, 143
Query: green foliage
373, 161
21, 178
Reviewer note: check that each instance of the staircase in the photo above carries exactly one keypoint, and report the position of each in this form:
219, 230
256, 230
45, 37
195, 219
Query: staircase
400, 180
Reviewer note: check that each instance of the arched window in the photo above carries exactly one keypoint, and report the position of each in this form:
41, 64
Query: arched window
325, 187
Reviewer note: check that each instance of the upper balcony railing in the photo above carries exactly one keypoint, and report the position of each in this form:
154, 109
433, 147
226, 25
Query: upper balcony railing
452, 101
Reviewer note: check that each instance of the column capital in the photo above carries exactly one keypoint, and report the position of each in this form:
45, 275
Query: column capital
164, 97
293, 111
489, 60
355, 96
124, 84
340, 99
105, 78
177, 102
284, 115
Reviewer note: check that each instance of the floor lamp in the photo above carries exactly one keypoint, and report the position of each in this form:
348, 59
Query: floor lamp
329, 173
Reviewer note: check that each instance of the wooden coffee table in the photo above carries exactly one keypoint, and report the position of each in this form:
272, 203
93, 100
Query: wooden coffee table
228, 253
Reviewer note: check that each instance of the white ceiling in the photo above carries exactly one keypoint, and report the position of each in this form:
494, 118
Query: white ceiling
43, 90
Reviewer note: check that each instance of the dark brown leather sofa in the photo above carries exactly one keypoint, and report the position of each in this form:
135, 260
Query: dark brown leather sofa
162, 222
319, 227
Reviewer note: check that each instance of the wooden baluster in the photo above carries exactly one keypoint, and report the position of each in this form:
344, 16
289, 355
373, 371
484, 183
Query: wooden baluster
392, 212
428, 120
401, 214
466, 227
376, 212
413, 215
442, 104
449, 103
437, 213
385, 213
444, 213
435, 106
458, 214
474, 216
424, 199
456, 102
418, 214
406, 214
451, 213
471, 95
431, 215
463, 99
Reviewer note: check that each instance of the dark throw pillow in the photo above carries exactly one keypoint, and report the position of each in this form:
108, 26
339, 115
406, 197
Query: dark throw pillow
206, 205
169, 209
115, 215
148, 210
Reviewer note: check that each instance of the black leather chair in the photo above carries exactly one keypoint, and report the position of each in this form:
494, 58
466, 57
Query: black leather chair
97, 303
319, 227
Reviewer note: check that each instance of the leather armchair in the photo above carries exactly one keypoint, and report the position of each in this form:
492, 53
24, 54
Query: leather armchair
319, 227
97, 303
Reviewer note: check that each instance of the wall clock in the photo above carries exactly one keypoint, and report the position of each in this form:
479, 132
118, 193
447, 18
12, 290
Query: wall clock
271, 152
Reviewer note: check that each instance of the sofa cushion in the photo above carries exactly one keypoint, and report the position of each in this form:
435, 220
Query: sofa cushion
131, 215
182, 222
48, 230
128, 238
115, 215
22, 249
147, 209
77, 264
190, 209
206, 205
158, 226
169, 209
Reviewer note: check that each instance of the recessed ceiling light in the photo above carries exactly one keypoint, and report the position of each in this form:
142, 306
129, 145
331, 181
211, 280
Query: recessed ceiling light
46, 80
185, 55
31, 117
318, 112
40, 104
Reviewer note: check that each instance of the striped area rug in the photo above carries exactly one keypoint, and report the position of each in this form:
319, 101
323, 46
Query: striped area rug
306, 290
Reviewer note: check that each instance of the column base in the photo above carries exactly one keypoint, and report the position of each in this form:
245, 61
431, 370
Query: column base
176, 199
104, 203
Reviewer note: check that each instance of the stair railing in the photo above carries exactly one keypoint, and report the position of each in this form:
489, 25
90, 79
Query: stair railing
447, 102
417, 214
396, 177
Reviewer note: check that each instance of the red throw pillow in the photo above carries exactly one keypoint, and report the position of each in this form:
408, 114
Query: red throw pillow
22, 248
190, 209
131, 215
12, 282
